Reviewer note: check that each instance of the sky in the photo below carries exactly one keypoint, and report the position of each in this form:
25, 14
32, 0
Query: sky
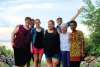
13, 12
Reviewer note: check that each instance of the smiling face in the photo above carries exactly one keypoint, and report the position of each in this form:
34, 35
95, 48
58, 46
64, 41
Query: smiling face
73, 26
27, 21
51, 24
37, 22
31, 24
59, 21
63, 28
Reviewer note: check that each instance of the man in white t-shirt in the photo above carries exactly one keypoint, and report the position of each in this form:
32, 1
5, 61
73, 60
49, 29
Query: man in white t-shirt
65, 46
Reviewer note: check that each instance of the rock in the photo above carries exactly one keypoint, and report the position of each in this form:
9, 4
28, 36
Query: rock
7, 60
90, 61
98, 59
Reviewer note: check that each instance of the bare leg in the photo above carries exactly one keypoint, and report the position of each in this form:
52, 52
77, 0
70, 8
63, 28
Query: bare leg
55, 62
40, 58
49, 62
35, 60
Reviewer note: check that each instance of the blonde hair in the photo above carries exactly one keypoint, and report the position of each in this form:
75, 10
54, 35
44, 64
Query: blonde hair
64, 25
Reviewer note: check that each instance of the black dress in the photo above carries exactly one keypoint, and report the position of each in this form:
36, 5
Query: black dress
22, 46
51, 42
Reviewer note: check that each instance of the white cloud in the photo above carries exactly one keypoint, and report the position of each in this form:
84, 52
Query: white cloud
6, 30
13, 12
1, 8
5, 33
11, 20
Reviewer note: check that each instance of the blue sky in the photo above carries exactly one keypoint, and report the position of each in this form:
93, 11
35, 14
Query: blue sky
13, 12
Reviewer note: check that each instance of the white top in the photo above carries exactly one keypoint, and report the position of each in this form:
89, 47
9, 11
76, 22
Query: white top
38, 30
65, 41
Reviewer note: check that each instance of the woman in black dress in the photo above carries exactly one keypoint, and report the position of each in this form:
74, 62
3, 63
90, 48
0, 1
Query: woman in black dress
52, 45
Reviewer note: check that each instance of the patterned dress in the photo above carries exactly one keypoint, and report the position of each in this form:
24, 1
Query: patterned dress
77, 45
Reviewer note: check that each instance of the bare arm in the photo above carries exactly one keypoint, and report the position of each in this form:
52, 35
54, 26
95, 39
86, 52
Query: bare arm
77, 14
13, 34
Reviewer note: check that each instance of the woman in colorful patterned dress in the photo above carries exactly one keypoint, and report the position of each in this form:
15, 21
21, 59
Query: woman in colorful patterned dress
77, 45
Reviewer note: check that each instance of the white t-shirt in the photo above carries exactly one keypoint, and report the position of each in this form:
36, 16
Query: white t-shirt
65, 41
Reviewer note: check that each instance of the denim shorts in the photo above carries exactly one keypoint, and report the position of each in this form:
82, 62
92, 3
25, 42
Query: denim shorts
52, 55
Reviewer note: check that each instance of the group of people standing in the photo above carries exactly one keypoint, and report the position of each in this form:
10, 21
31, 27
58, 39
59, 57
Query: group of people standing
61, 48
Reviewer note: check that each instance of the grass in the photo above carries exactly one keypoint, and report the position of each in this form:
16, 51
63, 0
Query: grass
3, 65
96, 65
44, 65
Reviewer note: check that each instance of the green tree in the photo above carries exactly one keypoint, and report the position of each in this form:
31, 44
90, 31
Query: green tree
91, 18
5, 52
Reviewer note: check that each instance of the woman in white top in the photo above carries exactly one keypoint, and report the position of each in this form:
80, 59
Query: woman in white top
65, 46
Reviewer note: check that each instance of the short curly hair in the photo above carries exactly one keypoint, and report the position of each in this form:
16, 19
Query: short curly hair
73, 21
